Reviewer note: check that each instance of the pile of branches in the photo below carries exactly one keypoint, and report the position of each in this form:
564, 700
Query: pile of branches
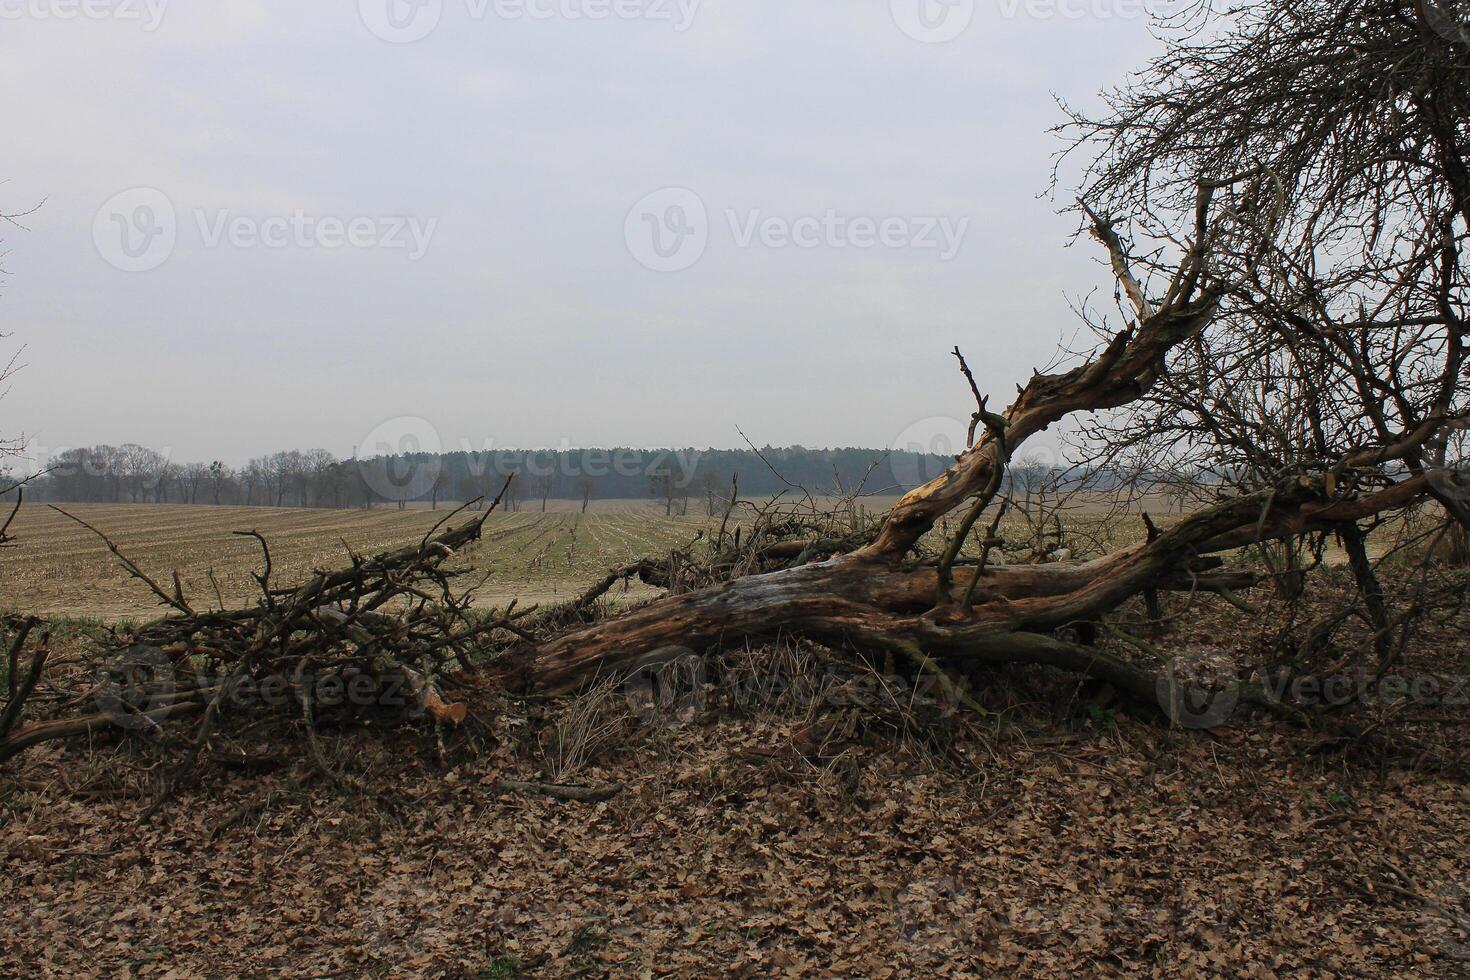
753, 537
393, 633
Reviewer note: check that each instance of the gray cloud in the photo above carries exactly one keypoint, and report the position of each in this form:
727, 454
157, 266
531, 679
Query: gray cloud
528, 320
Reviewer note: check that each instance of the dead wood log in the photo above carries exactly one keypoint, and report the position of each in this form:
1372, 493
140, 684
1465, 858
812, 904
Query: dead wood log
854, 599
46, 731
876, 589
19, 691
578, 794
879, 597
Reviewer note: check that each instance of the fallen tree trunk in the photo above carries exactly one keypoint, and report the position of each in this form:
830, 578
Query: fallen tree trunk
858, 600
883, 591
879, 597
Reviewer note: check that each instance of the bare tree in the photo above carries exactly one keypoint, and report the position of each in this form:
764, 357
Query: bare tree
322, 473
219, 476
11, 446
169, 474
471, 487
256, 473
1340, 343
586, 486
1340, 339
713, 486
544, 486
663, 483
512, 493
192, 478
140, 470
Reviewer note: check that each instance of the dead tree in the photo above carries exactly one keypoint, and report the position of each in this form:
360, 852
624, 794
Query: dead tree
11, 446
6, 537
663, 483
1339, 346
938, 611
1340, 338
545, 485
1321, 397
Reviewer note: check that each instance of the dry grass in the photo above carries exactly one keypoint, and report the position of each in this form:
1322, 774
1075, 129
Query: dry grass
58, 568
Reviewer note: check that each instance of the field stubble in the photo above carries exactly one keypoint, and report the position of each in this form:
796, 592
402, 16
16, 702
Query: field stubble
59, 568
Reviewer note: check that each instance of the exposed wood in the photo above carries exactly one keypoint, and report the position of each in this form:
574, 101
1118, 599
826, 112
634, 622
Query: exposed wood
579, 794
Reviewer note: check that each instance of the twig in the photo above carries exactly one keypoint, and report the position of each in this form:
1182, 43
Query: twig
5, 537
578, 794
20, 694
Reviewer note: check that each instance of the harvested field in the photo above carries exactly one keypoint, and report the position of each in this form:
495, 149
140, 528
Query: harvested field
59, 568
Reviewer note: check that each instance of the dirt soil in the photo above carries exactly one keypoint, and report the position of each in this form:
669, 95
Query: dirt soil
1058, 834
733, 849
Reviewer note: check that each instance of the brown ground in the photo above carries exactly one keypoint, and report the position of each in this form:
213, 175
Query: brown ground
1055, 836
764, 834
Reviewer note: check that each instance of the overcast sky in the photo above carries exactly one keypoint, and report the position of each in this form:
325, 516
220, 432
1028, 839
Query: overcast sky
276, 224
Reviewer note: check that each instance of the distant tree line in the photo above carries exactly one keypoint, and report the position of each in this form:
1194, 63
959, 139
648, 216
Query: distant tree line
676, 479
131, 473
